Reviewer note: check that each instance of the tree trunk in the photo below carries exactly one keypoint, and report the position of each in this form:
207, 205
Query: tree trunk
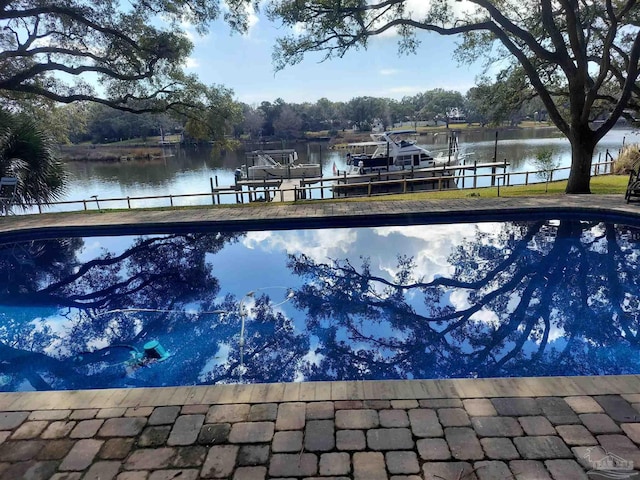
582, 147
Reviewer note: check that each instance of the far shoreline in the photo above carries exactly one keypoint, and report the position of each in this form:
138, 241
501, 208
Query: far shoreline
153, 148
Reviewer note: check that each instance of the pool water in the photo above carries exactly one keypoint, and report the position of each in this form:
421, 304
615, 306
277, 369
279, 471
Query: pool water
514, 298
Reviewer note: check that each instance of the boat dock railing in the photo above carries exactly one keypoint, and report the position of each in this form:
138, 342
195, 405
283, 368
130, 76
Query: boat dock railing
314, 188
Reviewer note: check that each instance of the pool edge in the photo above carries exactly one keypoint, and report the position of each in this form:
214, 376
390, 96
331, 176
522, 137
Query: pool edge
323, 391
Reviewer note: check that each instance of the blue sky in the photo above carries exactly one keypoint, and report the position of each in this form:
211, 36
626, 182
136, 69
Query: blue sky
243, 63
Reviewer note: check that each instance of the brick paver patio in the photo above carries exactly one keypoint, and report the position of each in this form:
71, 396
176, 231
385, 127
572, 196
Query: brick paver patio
544, 428
524, 429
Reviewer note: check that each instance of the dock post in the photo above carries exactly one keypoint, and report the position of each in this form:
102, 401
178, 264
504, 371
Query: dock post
213, 196
506, 177
495, 149
493, 176
369, 188
475, 174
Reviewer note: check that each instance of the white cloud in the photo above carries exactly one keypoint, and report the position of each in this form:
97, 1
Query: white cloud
389, 71
252, 19
299, 28
190, 32
460, 299
191, 63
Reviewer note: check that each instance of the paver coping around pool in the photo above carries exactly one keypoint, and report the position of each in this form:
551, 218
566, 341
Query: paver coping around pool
308, 213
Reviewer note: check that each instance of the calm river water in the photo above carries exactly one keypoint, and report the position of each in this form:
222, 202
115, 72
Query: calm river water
188, 170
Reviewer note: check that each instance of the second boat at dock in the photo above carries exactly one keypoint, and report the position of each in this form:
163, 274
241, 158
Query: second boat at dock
274, 164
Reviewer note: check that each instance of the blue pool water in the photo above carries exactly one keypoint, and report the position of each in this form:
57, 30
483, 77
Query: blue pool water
516, 298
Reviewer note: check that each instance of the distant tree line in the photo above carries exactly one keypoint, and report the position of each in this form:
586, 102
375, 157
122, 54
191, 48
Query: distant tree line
486, 104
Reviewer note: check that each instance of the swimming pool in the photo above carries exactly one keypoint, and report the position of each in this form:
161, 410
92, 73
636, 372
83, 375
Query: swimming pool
535, 297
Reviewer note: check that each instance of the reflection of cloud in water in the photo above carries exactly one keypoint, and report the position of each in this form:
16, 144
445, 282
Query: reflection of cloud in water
429, 245
460, 300
486, 316
220, 358
311, 358
316, 244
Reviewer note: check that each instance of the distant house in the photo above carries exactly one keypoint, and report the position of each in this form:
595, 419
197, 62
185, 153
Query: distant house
455, 115
376, 126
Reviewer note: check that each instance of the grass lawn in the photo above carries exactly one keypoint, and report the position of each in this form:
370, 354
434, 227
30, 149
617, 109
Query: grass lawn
600, 185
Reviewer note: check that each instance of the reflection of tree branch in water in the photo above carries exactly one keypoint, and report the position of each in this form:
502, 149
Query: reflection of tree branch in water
105, 296
60, 291
156, 271
553, 280
614, 274
547, 277
143, 245
349, 270
529, 279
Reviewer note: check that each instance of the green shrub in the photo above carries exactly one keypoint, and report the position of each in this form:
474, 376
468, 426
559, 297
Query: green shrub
545, 163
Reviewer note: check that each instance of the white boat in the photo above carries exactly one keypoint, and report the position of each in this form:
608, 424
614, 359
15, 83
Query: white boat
392, 152
272, 164
382, 165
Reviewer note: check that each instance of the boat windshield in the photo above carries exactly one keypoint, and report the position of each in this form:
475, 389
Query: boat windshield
404, 138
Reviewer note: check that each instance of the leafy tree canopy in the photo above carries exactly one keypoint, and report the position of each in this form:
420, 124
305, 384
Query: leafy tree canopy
580, 56
127, 55
495, 102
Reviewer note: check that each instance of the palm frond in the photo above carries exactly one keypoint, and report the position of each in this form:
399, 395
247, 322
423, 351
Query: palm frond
28, 153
